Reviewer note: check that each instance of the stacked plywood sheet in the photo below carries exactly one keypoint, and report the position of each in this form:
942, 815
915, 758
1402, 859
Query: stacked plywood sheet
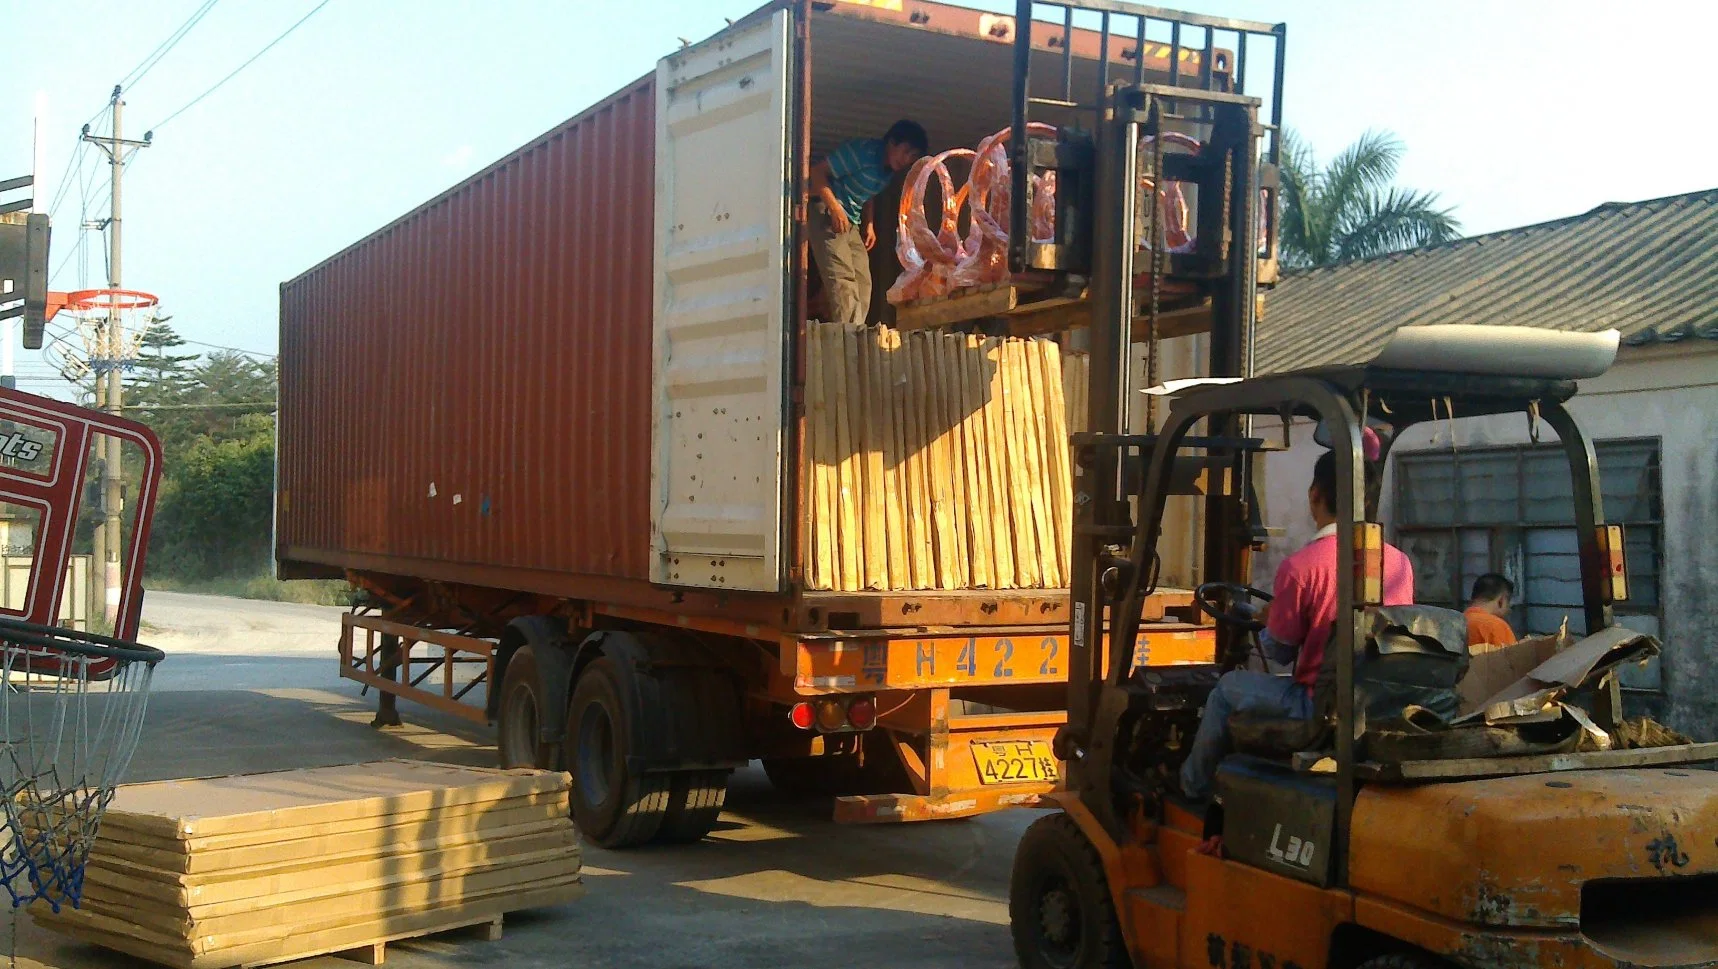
263, 868
937, 460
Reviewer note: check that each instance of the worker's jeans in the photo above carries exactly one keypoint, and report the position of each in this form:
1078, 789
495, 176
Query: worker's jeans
1239, 691
846, 267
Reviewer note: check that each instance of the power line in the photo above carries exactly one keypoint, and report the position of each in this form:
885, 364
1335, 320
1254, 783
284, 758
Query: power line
237, 403
165, 47
65, 183
217, 346
266, 48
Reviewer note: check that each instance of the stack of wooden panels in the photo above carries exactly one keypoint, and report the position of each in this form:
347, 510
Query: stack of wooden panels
262, 868
937, 460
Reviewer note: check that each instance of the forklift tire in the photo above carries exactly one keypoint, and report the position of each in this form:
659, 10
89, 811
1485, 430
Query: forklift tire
1059, 905
695, 800
612, 806
519, 716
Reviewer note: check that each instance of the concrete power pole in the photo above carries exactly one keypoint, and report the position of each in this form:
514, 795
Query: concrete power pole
112, 342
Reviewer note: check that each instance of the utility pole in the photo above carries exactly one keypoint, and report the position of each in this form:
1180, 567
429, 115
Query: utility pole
110, 537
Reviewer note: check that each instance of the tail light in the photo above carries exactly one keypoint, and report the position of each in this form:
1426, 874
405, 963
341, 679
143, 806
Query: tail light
831, 715
1613, 564
862, 713
835, 714
1368, 564
801, 715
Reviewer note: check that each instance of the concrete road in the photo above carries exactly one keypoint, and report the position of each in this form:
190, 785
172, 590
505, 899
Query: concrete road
252, 686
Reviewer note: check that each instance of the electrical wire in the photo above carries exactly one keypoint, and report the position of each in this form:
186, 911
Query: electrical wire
217, 346
251, 60
65, 183
162, 49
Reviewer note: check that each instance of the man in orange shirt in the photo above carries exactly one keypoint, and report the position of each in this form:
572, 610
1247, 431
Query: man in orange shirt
1488, 611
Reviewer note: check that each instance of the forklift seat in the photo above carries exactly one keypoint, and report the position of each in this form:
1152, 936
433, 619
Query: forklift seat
1278, 737
1409, 657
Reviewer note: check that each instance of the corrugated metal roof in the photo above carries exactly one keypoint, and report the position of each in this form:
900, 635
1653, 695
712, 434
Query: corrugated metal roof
1649, 269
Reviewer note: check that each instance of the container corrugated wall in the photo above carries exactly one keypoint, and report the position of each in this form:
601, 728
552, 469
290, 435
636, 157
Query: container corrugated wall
468, 389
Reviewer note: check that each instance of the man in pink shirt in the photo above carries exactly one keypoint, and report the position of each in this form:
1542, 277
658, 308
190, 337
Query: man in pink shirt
1299, 621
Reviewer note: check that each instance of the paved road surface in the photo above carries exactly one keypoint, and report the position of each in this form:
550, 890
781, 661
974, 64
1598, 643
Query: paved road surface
252, 686
240, 644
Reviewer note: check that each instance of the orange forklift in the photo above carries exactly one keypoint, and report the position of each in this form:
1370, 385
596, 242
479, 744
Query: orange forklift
1364, 836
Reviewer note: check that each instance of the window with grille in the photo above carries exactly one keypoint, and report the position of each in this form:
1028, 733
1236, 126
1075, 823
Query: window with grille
1462, 513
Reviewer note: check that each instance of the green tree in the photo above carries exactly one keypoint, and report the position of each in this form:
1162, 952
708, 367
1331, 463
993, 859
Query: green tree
214, 415
217, 505
160, 384
1349, 209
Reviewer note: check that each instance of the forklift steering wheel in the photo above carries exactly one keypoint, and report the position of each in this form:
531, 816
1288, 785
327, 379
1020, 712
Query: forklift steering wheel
1238, 612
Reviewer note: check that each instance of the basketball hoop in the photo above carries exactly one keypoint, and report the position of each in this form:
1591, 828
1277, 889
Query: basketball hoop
71, 708
103, 300
109, 347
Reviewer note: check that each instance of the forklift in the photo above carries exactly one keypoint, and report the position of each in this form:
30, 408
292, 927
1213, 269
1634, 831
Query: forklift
1336, 841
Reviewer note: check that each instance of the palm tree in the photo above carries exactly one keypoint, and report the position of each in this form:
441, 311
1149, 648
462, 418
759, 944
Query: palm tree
1349, 210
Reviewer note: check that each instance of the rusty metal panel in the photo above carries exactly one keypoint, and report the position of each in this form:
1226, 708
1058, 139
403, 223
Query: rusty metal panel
470, 385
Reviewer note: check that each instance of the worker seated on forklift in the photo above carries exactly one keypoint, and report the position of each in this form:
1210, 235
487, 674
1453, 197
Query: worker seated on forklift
1298, 620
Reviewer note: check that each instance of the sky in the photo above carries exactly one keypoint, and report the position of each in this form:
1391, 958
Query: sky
1515, 112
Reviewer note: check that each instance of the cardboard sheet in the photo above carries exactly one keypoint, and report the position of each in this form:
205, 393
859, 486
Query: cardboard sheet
1491, 667
1569, 669
319, 880
260, 802
258, 919
119, 936
422, 830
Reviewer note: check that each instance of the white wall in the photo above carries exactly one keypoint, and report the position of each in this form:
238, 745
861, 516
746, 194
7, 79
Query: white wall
1669, 392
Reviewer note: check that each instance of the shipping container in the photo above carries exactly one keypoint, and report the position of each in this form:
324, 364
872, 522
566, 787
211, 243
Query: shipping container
553, 421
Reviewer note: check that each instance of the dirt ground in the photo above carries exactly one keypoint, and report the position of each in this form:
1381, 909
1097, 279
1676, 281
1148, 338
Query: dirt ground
252, 686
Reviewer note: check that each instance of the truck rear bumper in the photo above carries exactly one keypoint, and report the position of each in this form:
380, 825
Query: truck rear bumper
882, 808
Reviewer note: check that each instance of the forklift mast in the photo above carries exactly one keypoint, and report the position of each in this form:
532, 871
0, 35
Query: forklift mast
1111, 241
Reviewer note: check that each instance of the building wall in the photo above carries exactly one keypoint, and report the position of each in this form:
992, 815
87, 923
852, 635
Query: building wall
1669, 392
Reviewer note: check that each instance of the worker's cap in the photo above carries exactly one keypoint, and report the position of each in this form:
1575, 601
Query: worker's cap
1372, 437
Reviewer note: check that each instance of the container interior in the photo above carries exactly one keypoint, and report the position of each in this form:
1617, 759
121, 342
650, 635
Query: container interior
969, 426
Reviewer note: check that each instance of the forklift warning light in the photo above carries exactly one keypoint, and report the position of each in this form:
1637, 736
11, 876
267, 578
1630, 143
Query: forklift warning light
1368, 564
1614, 582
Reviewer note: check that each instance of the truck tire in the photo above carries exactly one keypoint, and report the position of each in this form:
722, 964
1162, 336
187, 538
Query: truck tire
1059, 906
520, 714
695, 800
614, 807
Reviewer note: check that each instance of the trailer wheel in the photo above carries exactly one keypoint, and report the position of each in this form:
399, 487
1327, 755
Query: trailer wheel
1059, 905
520, 715
614, 807
695, 800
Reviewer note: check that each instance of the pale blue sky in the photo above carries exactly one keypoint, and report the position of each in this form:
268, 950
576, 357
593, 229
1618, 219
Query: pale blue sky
1517, 112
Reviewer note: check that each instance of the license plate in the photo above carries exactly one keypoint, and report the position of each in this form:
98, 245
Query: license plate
1014, 762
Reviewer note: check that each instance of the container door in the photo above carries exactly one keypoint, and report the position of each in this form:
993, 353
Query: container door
722, 227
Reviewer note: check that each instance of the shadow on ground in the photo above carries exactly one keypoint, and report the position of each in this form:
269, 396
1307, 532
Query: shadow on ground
777, 884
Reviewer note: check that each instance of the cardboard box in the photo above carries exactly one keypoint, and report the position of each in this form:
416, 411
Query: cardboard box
1491, 668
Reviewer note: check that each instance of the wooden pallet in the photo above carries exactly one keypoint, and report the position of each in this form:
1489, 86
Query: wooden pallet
977, 303
375, 953
1028, 313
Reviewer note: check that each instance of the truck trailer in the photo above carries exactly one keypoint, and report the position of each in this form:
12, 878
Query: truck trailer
552, 423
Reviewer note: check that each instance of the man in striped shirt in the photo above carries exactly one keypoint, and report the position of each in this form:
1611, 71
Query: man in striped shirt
840, 221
